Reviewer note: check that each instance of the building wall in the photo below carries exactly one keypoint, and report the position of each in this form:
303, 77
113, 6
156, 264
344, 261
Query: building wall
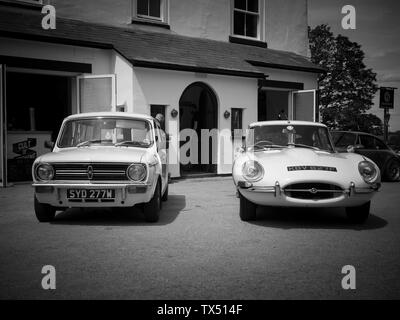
284, 24
166, 87
309, 79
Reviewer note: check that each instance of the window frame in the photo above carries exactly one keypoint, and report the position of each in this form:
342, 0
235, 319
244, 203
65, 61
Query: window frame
164, 12
40, 2
240, 112
260, 21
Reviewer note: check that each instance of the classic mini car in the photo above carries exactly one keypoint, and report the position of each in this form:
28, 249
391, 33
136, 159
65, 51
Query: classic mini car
294, 164
103, 160
372, 147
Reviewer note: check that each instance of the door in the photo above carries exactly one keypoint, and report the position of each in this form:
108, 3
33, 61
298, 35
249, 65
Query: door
304, 106
161, 142
374, 149
96, 93
3, 121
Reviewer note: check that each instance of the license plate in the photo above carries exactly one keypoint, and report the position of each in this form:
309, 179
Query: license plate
90, 194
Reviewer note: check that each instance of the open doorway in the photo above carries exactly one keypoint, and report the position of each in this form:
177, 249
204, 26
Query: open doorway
198, 110
273, 105
36, 107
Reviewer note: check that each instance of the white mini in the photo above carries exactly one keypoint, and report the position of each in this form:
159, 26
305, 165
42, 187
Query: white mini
103, 160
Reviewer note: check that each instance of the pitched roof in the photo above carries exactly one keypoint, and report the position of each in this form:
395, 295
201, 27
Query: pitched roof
153, 49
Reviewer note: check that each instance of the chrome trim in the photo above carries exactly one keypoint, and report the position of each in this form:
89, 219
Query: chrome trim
92, 185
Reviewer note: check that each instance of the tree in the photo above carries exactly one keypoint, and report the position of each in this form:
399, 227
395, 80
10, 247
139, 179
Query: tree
348, 87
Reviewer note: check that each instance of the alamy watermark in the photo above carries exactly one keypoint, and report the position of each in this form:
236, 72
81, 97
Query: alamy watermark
49, 279
349, 21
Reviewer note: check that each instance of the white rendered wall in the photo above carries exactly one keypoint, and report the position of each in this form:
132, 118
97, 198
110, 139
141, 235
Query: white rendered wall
164, 87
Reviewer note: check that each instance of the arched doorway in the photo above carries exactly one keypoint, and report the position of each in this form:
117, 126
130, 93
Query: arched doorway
198, 109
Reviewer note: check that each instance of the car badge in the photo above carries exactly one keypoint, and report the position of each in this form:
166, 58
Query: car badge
89, 172
313, 191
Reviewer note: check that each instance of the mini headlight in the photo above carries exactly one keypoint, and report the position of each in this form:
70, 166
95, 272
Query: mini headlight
137, 172
253, 171
44, 172
368, 171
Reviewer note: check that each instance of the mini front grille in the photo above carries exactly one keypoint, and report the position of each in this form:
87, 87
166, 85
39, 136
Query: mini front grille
90, 172
313, 191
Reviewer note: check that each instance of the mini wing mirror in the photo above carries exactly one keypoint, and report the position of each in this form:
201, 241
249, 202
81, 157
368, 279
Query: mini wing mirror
49, 145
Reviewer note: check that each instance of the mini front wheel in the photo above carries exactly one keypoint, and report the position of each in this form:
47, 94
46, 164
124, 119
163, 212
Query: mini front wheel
247, 209
359, 214
44, 212
152, 208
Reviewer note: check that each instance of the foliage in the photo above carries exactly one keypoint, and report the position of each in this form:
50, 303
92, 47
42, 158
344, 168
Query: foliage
348, 87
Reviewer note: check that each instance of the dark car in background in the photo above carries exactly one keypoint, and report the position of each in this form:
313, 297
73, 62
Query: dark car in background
394, 142
373, 148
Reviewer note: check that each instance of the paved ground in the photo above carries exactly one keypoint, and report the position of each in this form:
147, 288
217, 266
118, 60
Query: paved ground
199, 250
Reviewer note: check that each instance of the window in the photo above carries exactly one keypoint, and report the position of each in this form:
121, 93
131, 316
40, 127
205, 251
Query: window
367, 142
29, 1
343, 140
237, 122
380, 145
151, 9
246, 18
157, 110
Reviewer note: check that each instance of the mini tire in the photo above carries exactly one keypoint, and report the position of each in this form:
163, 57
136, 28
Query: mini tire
247, 209
359, 214
152, 208
165, 195
392, 171
44, 212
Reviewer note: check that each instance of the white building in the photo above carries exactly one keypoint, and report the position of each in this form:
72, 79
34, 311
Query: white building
218, 64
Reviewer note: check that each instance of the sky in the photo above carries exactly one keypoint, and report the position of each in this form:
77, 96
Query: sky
377, 31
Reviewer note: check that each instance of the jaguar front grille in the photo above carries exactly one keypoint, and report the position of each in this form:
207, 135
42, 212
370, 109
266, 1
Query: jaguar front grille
90, 172
313, 191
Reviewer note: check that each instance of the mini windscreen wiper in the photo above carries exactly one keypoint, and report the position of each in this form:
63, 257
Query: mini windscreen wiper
131, 144
87, 143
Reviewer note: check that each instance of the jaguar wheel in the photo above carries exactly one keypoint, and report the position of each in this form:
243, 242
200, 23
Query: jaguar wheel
247, 209
359, 214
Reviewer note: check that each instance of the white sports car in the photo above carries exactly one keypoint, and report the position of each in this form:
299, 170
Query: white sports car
294, 164
103, 160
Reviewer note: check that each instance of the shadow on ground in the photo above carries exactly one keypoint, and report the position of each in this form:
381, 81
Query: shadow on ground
307, 218
121, 216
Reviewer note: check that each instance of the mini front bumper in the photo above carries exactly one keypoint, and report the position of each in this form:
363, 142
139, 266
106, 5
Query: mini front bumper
126, 195
276, 196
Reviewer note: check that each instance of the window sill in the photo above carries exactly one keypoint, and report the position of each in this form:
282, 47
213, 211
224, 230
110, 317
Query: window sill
150, 22
248, 41
22, 4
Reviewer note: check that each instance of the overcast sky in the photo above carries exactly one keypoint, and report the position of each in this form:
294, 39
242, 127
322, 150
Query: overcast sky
377, 30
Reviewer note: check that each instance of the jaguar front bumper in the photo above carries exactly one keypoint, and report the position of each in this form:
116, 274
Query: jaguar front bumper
278, 196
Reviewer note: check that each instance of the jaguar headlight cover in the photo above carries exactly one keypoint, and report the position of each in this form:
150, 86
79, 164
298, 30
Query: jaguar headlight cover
252, 171
44, 172
137, 172
368, 171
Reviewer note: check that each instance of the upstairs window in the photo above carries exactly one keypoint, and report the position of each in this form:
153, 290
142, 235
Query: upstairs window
150, 9
246, 18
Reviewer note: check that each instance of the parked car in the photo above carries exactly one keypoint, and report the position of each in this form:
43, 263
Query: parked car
294, 164
394, 142
103, 160
372, 147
